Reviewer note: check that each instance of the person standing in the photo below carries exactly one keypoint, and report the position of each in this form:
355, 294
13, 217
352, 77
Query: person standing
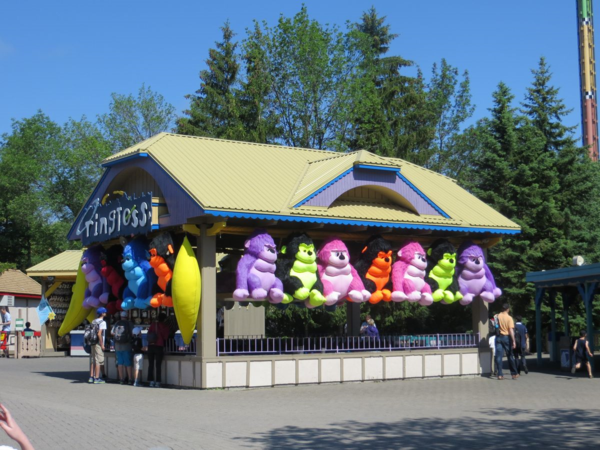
582, 350
28, 327
157, 336
505, 342
6, 321
521, 345
122, 334
492, 344
138, 356
97, 354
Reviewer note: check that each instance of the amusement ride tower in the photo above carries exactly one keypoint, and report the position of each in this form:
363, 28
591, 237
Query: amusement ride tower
587, 76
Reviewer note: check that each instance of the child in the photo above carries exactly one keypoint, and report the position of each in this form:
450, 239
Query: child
582, 350
138, 357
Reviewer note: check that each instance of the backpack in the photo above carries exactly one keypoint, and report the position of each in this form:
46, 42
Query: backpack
517, 339
90, 335
122, 332
496, 325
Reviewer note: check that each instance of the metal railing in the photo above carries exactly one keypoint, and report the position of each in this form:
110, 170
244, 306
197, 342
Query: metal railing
261, 345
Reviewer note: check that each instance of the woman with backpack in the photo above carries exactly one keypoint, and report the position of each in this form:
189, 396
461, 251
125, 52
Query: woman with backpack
157, 336
122, 335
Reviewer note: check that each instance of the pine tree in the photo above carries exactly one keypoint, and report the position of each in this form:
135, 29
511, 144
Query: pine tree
214, 110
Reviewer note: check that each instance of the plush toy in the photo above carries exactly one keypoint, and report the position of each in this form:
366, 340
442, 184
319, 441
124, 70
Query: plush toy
162, 259
297, 269
441, 261
339, 277
139, 274
255, 275
97, 290
187, 290
374, 267
113, 274
408, 275
474, 275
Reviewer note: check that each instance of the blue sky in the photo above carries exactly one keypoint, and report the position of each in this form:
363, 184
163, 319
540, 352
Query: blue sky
67, 57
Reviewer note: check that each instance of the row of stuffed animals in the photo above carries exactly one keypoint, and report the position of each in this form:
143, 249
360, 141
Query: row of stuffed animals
135, 274
326, 276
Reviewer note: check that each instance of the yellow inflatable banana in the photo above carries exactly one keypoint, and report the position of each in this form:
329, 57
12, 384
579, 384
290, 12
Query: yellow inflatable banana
76, 313
185, 287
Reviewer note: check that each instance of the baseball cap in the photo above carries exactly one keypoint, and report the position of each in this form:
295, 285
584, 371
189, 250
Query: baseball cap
137, 330
124, 313
101, 311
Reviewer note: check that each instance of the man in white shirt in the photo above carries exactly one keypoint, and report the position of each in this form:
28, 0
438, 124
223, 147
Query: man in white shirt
5, 317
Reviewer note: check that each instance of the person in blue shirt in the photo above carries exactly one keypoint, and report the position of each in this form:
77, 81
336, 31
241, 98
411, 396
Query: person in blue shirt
521, 346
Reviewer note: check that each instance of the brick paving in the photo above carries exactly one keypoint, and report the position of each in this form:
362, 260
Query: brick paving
53, 403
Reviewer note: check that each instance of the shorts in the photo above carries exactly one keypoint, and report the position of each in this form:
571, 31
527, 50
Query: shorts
138, 361
124, 358
579, 359
97, 354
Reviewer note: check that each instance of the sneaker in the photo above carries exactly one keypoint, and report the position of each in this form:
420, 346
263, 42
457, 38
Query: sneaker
152, 384
99, 381
121, 382
91, 380
130, 382
526, 370
157, 384
136, 384
573, 369
591, 376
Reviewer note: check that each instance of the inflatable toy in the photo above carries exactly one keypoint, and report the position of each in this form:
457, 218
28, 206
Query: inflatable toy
139, 274
374, 267
76, 312
255, 275
186, 290
113, 274
297, 269
340, 279
162, 260
474, 276
97, 291
408, 275
441, 262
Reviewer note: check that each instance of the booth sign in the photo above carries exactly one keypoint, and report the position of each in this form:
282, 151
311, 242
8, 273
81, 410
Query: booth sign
7, 300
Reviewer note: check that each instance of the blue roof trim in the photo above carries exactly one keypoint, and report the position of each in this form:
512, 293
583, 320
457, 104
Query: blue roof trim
243, 215
127, 158
383, 168
324, 187
423, 196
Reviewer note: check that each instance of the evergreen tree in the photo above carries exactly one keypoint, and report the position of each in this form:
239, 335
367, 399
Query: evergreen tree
214, 110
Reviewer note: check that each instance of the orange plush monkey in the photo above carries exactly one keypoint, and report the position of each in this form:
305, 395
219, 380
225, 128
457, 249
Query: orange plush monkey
374, 267
162, 259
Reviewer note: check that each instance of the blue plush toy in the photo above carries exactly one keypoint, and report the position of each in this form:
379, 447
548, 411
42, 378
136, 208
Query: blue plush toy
140, 276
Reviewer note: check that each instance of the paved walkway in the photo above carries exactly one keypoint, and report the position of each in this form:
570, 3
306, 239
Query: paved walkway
56, 407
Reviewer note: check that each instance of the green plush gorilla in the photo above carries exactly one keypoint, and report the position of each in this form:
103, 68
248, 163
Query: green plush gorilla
441, 262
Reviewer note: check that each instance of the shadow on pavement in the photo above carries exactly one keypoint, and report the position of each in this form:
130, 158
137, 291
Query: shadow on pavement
76, 377
552, 428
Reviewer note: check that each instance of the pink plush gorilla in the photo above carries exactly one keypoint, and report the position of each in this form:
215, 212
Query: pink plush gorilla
474, 276
255, 276
339, 277
408, 275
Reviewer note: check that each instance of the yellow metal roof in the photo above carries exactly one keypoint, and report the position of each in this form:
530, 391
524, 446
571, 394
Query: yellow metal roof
64, 264
15, 282
265, 179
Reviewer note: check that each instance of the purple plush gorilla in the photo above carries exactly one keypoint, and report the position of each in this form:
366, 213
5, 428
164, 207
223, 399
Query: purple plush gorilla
98, 289
255, 275
140, 276
474, 275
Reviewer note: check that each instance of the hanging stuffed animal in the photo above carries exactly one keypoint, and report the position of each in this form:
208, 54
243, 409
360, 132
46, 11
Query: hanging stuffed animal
339, 277
441, 261
408, 275
97, 290
113, 274
162, 259
139, 274
255, 275
374, 267
297, 269
474, 276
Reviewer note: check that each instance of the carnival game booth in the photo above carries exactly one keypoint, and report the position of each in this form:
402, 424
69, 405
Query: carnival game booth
20, 295
314, 229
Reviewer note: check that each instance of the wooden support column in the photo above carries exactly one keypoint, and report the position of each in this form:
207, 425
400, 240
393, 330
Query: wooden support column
566, 297
539, 296
207, 319
552, 298
480, 315
590, 290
